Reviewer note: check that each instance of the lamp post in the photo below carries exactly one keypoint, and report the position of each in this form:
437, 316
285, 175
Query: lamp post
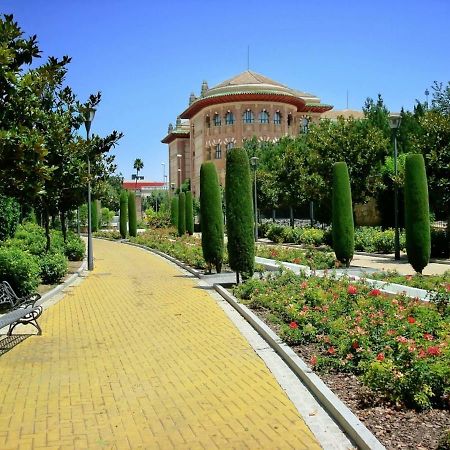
179, 171
394, 122
164, 175
88, 118
254, 164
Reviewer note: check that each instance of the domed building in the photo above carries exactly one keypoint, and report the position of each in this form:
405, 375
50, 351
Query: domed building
224, 116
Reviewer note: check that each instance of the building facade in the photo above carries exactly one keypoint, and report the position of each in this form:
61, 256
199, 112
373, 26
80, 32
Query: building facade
224, 116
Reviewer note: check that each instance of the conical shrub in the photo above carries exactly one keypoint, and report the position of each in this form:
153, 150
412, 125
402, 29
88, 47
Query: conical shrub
342, 215
123, 214
239, 213
181, 214
417, 216
189, 213
174, 211
211, 216
132, 219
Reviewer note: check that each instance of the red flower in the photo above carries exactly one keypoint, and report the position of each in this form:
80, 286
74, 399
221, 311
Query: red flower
401, 339
411, 319
380, 357
428, 336
434, 351
331, 350
447, 287
374, 292
304, 285
293, 325
355, 345
313, 360
422, 353
408, 277
352, 289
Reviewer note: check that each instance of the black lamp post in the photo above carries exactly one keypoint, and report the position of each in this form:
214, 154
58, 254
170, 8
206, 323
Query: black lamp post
394, 121
88, 118
254, 164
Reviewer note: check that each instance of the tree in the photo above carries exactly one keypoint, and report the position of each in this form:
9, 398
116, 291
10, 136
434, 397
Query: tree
174, 211
441, 98
211, 216
239, 213
342, 222
123, 214
189, 213
418, 239
138, 166
132, 218
181, 214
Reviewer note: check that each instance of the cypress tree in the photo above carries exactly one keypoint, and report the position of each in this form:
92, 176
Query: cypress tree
174, 211
189, 213
239, 213
342, 215
94, 216
132, 219
123, 213
211, 216
417, 216
181, 214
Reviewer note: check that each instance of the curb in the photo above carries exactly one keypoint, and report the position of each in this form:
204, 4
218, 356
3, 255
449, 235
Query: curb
337, 410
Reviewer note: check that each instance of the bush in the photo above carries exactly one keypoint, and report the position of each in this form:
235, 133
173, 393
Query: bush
74, 248
239, 212
19, 269
189, 213
123, 214
181, 214
211, 216
439, 247
276, 233
132, 218
106, 217
174, 211
343, 229
53, 267
417, 216
9, 217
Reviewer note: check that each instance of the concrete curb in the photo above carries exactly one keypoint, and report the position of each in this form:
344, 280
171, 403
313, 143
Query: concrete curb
340, 413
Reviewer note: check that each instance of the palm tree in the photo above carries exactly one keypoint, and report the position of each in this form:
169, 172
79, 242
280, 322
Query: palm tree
138, 165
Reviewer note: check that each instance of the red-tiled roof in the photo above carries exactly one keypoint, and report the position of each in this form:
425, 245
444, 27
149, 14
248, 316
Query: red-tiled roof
142, 184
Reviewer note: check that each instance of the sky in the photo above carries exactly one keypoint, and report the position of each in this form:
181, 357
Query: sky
146, 56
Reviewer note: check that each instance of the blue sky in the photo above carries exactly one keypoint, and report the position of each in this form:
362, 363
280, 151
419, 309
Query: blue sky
146, 57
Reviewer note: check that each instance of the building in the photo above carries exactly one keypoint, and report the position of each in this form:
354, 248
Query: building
142, 189
225, 115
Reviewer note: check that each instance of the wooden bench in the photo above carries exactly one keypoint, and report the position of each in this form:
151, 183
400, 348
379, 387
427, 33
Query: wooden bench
18, 310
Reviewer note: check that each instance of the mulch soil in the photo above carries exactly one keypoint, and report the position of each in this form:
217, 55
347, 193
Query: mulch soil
395, 427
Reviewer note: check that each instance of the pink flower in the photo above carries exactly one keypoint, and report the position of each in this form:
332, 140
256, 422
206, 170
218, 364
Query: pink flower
304, 285
374, 292
331, 350
434, 351
411, 319
352, 290
408, 277
422, 353
401, 339
313, 360
293, 325
428, 336
380, 357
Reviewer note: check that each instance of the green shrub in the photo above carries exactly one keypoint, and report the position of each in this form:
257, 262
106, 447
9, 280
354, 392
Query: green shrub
181, 214
312, 236
106, 217
132, 218
343, 230
29, 237
74, 248
123, 224
276, 233
53, 267
417, 218
212, 216
189, 213
263, 228
19, 269
239, 212
9, 217
174, 211
94, 215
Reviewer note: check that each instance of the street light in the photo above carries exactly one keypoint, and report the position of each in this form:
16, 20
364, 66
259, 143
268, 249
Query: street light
89, 114
254, 164
179, 170
394, 122
164, 175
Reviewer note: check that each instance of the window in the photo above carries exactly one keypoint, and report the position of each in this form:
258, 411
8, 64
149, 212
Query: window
229, 118
248, 116
277, 118
263, 116
208, 122
208, 153
217, 120
218, 151
230, 145
304, 125
289, 119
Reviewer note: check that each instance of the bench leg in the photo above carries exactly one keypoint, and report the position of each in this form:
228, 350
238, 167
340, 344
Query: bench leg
30, 318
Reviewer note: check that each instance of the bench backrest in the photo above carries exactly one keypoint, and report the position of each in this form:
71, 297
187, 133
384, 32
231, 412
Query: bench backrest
7, 297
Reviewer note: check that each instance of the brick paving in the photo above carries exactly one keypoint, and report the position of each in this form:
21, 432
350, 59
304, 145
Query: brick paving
139, 357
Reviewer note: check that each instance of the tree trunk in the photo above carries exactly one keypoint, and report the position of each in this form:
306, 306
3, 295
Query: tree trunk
291, 219
448, 233
237, 277
47, 229
62, 216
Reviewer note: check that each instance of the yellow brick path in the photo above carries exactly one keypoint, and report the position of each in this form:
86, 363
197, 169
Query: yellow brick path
138, 357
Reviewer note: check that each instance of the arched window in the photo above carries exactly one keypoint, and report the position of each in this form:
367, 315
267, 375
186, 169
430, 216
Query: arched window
304, 125
289, 119
208, 122
229, 118
229, 145
208, 153
277, 118
217, 120
263, 116
248, 116
218, 151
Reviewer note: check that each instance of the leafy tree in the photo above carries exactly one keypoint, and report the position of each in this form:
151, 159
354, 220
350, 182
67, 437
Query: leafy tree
123, 214
239, 213
342, 223
377, 115
211, 216
441, 98
132, 218
9, 217
138, 166
418, 239
189, 213
181, 214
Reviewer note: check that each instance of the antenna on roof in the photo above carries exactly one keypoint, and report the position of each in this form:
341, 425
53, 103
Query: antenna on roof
248, 57
347, 98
